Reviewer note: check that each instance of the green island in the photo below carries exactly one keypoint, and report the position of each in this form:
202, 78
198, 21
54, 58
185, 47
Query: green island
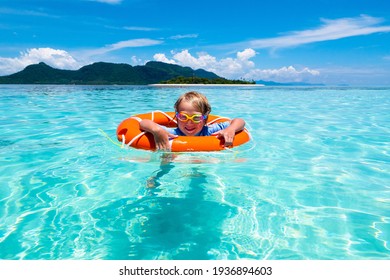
103, 73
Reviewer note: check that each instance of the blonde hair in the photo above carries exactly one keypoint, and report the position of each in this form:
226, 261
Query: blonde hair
198, 100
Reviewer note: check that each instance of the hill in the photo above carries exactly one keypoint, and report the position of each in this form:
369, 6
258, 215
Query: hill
105, 73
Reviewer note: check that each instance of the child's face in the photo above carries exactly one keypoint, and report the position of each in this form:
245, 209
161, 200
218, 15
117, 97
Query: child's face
188, 127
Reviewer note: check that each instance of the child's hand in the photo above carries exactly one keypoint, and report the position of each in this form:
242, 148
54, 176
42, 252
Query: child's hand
161, 138
228, 135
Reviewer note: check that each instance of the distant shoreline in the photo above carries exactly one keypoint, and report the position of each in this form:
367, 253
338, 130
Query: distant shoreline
206, 85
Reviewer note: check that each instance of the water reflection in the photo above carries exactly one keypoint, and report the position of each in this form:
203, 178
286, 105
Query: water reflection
158, 227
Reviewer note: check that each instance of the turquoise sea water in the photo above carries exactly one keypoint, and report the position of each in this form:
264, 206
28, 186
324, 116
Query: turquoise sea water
313, 183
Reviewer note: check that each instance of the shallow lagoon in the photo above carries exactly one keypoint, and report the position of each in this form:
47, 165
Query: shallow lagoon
312, 184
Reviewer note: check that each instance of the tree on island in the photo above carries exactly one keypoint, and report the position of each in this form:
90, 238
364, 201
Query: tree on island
197, 80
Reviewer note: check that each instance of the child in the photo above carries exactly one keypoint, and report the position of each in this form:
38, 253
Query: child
192, 110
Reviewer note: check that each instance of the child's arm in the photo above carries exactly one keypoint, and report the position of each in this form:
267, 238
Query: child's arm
229, 132
161, 136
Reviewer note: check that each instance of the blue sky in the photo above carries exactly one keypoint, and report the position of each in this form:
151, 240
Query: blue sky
317, 41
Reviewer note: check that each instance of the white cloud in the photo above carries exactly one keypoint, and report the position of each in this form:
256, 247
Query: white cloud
178, 37
203, 60
100, 54
139, 28
246, 54
108, 1
162, 58
283, 74
329, 30
226, 67
18, 12
55, 58
136, 61
134, 43
238, 67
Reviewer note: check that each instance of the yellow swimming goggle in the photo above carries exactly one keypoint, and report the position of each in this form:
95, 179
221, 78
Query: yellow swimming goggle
196, 118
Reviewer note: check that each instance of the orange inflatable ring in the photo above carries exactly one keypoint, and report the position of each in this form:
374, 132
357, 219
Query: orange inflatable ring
130, 134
